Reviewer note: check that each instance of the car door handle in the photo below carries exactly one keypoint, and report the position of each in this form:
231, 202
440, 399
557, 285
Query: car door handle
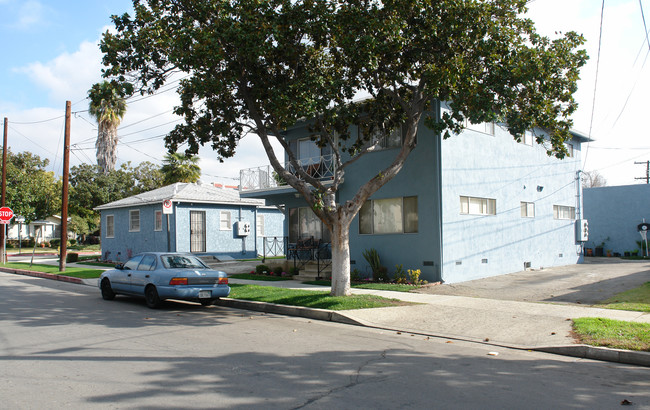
146, 276
129, 275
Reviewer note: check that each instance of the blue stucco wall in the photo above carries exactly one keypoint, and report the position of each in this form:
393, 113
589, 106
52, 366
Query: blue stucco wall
222, 242
614, 214
125, 243
496, 166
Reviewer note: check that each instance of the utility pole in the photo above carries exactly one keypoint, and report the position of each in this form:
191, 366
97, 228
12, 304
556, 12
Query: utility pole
64, 193
647, 171
3, 254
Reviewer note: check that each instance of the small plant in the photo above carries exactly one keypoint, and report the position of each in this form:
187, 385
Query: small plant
262, 270
372, 256
72, 257
355, 275
400, 275
382, 275
414, 276
277, 271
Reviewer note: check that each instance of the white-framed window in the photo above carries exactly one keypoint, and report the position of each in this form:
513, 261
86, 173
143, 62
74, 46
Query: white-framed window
259, 225
391, 140
528, 138
483, 127
225, 223
157, 221
110, 226
477, 206
134, 220
527, 209
564, 212
569, 150
391, 215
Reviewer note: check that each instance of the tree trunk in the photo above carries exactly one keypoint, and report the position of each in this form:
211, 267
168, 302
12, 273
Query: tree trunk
340, 260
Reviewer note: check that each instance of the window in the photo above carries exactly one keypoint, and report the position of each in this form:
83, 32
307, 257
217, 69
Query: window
134, 220
224, 223
157, 223
303, 223
110, 226
391, 140
308, 152
484, 127
528, 138
148, 263
392, 215
569, 150
564, 212
259, 225
527, 209
478, 206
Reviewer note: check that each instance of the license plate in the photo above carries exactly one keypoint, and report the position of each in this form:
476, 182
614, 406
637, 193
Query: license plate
205, 294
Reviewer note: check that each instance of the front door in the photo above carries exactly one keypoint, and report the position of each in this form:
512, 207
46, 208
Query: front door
197, 231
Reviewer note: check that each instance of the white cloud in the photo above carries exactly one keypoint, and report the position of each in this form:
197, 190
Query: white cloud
30, 14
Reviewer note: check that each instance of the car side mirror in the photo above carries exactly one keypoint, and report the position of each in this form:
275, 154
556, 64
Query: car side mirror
119, 266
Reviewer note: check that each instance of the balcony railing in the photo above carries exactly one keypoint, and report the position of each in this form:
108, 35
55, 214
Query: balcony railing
264, 177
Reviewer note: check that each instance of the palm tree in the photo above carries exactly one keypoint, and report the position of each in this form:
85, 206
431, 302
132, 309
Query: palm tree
108, 106
178, 167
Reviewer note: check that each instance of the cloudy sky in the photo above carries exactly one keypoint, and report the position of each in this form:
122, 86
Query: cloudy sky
50, 55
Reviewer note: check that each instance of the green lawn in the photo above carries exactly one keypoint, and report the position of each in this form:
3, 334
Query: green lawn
396, 287
613, 333
307, 298
637, 299
249, 276
69, 271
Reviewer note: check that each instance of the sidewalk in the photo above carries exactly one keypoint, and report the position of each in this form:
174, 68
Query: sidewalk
513, 324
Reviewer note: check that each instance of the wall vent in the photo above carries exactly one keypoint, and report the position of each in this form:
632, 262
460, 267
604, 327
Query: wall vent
459, 262
483, 260
353, 262
427, 263
561, 255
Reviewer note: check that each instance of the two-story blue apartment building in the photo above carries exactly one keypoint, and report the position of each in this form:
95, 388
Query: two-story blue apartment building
471, 206
184, 217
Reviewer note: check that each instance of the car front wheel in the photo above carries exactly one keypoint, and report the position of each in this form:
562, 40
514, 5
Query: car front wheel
107, 290
151, 296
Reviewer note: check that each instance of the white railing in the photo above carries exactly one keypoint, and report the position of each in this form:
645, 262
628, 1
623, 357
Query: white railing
264, 177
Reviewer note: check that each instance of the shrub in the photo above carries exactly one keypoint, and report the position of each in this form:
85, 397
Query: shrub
372, 257
55, 242
294, 271
277, 271
355, 275
400, 275
72, 242
72, 257
414, 276
262, 270
382, 275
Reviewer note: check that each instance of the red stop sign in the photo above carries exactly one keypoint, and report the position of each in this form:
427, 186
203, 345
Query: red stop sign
6, 214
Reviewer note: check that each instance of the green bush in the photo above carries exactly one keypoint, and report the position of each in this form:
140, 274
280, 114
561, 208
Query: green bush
277, 271
262, 270
72, 257
400, 275
55, 242
355, 275
294, 271
72, 242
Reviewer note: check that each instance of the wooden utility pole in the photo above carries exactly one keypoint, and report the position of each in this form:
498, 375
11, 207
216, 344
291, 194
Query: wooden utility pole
3, 255
64, 193
647, 171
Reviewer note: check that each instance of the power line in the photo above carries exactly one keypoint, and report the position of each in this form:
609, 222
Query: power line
645, 28
38, 122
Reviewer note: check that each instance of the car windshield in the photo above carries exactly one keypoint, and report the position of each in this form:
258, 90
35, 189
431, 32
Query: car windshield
182, 262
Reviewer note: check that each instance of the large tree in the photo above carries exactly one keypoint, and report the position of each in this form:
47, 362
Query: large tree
32, 191
262, 66
108, 106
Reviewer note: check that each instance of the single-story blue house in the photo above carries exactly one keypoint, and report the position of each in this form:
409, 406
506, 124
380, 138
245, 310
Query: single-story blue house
185, 217
471, 206
614, 214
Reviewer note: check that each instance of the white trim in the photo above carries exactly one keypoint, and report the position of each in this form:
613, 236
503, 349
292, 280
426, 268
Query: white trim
131, 225
112, 216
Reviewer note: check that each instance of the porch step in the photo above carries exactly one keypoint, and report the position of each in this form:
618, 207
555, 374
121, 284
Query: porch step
310, 272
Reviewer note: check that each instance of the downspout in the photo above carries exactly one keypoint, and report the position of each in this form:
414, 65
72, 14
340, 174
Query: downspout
438, 190
254, 223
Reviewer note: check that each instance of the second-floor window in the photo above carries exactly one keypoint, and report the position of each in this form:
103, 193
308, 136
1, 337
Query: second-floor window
477, 206
527, 209
564, 212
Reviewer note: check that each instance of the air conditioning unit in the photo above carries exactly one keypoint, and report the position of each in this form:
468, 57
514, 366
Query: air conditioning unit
242, 228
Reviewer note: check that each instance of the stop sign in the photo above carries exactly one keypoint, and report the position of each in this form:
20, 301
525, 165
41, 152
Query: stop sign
6, 214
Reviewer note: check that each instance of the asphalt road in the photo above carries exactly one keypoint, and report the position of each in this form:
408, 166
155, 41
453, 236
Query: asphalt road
62, 346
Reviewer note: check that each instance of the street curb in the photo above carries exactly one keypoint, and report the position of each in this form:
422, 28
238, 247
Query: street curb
299, 311
600, 353
52, 276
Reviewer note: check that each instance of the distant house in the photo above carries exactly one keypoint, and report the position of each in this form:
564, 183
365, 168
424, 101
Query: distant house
614, 214
42, 230
475, 205
202, 219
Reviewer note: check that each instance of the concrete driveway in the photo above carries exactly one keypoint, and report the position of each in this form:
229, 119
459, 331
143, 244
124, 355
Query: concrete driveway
589, 283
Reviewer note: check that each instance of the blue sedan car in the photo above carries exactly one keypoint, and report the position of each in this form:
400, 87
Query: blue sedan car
157, 276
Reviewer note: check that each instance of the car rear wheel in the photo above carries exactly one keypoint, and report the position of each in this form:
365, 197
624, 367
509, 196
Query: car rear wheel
151, 296
107, 290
